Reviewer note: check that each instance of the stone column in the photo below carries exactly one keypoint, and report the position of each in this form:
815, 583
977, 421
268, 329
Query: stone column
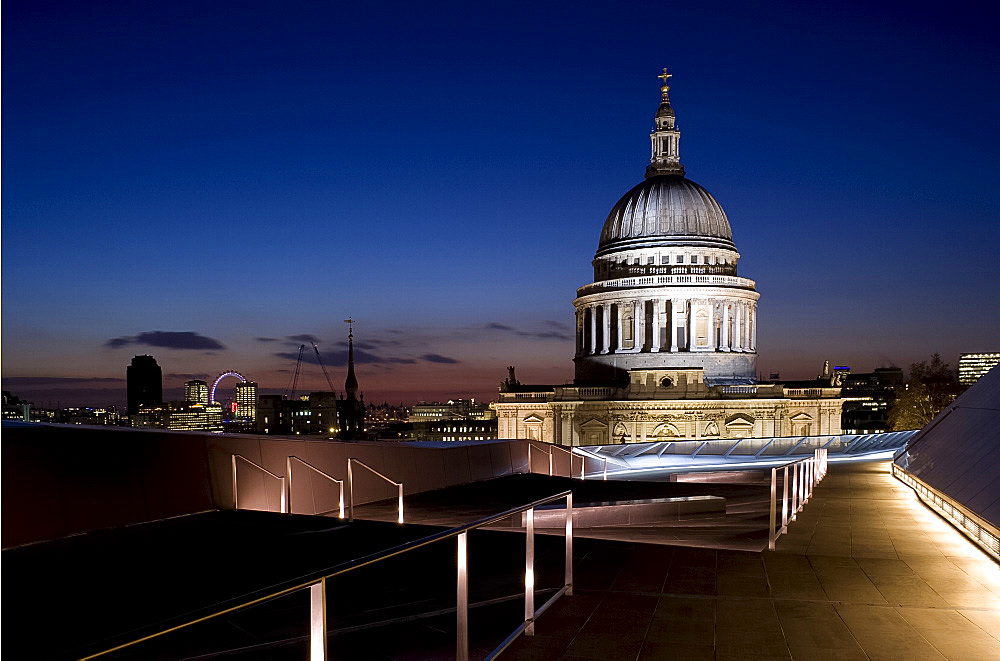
606, 327
638, 324
593, 330
672, 327
753, 328
724, 344
579, 331
655, 327
689, 340
618, 322
737, 331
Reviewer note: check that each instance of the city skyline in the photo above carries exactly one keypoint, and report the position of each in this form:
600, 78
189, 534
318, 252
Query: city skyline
216, 187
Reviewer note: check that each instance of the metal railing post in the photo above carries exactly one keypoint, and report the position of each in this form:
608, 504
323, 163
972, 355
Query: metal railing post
529, 457
350, 490
288, 473
784, 501
462, 635
400, 502
773, 509
317, 621
569, 545
605, 469
550, 463
284, 493
795, 491
236, 497
529, 573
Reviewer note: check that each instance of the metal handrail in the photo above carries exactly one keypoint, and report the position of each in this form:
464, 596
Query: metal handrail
806, 474
284, 503
350, 487
288, 469
584, 454
317, 580
548, 450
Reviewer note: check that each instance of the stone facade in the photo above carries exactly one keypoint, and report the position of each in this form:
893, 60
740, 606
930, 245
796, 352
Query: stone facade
666, 405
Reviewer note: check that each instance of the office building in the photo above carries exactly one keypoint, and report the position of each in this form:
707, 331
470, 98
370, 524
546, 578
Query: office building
196, 392
145, 383
973, 366
246, 402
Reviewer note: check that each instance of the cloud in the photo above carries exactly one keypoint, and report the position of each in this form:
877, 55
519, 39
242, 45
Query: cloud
29, 381
303, 338
545, 335
339, 358
167, 340
266, 339
436, 358
558, 324
561, 334
186, 377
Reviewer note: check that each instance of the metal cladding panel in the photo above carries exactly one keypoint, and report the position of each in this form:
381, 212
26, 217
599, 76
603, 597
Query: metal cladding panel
958, 453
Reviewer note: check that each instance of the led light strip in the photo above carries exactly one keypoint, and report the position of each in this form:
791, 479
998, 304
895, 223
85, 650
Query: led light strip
976, 528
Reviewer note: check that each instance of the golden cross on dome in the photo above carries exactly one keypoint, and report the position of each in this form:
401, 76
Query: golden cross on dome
663, 76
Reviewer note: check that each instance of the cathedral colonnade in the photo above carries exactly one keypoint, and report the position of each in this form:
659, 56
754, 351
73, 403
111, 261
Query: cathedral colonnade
659, 322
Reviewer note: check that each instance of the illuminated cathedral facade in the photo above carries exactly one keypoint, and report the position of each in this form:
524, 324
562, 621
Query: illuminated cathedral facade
666, 334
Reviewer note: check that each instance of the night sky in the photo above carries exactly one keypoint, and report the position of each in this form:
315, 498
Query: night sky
215, 183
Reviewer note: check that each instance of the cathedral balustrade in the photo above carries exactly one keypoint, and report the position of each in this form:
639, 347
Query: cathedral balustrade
593, 392
639, 270
812, 392
739, 390
667, 280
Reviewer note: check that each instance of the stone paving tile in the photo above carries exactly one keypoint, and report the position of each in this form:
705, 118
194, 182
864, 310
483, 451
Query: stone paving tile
652, 651
819, 654
785, 562
884, 634
738, 614
988, 621
687, 632
816, 626
672, 607
728, 585
605, 646
739, 562
795, 585
849, 584
819, 562
908, 591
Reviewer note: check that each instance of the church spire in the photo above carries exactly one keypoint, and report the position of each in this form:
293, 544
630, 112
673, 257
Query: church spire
664, 140
351, 384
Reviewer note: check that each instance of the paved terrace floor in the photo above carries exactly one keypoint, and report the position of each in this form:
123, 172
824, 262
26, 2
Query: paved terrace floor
866, 572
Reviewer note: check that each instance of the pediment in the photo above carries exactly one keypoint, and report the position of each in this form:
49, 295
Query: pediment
532, 420
739, 421
801, 416
593, 425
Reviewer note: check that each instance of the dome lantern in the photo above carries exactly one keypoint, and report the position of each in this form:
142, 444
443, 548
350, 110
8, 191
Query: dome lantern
665, 157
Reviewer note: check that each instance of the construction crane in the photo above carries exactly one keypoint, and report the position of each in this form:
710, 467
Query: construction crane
323, 367
295, 377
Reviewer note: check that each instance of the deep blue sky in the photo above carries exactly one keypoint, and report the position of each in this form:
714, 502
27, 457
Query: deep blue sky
204, 181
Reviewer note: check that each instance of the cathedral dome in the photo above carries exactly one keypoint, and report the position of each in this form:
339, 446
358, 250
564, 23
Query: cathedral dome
666, 210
